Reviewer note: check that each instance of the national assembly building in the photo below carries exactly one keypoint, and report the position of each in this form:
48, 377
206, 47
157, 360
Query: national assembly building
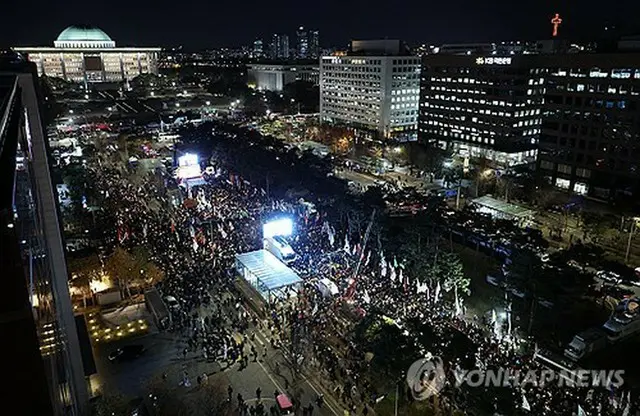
86, 54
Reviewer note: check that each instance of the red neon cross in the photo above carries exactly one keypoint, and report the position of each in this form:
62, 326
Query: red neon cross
556, 21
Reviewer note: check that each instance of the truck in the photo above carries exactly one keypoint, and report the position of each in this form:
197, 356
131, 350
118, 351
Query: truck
280, 248
157, 308
109, 296
586, 343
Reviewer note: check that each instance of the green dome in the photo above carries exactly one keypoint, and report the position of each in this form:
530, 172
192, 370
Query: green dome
80, 33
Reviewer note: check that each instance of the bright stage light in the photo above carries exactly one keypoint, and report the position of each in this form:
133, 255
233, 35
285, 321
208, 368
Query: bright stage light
283, 227
189, 159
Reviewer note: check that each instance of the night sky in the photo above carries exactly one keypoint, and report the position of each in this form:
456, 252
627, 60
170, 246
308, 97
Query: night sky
214, 23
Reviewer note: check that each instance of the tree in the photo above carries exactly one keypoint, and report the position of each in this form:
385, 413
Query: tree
526, 274
593, 225
454, 277
165, 399
83, 271
111, 404
122, 267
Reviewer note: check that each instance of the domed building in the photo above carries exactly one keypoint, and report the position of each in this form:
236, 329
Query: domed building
86, 54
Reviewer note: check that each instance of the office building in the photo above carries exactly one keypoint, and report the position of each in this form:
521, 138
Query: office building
42, 359
273, 77
590, 141
314, 44
486, 106
302, 43
86, 54
375, 87
258, 50
279, 46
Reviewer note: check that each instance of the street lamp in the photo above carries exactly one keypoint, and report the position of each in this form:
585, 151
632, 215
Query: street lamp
208, 103
632, 230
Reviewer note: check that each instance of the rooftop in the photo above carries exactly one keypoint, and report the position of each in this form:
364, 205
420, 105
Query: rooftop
270, 271
502, 207
83, 33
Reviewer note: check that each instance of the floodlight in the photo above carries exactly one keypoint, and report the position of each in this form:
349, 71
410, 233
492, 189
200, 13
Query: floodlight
282, 227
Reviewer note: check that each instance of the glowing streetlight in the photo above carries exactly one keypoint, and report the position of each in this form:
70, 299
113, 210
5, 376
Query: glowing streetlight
208, 103
70, 111
177, 104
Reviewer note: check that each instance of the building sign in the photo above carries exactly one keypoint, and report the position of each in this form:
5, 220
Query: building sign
493, 61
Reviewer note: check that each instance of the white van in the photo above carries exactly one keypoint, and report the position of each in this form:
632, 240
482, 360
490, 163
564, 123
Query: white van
279, 247
327, 288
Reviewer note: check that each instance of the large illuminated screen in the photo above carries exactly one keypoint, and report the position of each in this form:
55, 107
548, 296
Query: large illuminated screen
188, 159
283, 227
188, 167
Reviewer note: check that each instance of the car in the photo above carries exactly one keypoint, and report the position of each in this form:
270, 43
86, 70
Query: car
619, 293
609, 276
127, 353
172, 303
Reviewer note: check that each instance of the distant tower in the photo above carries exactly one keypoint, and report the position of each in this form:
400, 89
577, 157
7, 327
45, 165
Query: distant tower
556, 22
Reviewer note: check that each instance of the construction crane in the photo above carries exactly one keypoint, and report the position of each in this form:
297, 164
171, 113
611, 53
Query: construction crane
351, 290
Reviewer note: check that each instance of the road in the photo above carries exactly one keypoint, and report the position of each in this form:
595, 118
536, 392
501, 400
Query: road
164, 354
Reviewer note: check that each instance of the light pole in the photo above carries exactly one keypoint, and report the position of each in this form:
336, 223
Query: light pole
634, 221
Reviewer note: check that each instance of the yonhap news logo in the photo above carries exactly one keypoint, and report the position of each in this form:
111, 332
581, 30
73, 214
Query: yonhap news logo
426, 377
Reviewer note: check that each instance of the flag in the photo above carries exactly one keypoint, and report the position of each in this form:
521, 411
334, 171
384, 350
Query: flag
581, 411
315, 309
395, 262
346, 247
525, 403
392, 274
365, 297
366, 262
436, 296
383, 268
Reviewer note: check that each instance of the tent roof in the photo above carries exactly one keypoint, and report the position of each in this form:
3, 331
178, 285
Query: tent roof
503, 207
268, 269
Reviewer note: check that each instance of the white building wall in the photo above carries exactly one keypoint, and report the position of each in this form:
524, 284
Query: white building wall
375, 92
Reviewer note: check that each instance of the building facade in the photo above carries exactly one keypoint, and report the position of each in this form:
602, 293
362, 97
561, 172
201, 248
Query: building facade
273, 77
302, 43
42, 352
314, 44
590, 141
279, 46
483, 106
87, 54
374, 88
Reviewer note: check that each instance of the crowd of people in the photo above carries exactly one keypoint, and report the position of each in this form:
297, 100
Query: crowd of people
195, 242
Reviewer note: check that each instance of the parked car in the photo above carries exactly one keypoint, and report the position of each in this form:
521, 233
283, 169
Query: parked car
127, 353
609, 276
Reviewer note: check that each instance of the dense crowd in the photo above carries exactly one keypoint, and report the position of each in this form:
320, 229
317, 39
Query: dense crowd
195, 242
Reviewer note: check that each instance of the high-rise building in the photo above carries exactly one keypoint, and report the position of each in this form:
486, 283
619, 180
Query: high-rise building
279, 46
375, 87
302, 43
314, 44
87, 54
483, 105
258, 49
41, 349
590, 142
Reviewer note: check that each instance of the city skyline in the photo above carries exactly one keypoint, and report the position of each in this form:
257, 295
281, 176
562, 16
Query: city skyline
198, 27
